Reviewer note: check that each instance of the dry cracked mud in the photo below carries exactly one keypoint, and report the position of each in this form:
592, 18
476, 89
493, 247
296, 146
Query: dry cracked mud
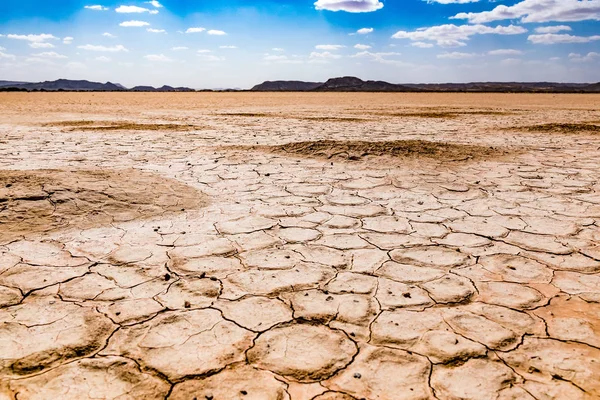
299, 247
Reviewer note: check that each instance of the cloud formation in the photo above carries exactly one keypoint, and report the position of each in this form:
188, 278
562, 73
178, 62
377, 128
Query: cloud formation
365, 31
553, 29
195, 30
50, 54
505, 52
451, 35
134, 10
455, 55
329, 47
538, 11
111, 49
96, 8
555, 38
591, 56
215, 32
353, 6
134, 24
41, 45
33, 38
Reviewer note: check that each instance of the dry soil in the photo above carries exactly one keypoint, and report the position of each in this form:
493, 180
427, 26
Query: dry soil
219, 246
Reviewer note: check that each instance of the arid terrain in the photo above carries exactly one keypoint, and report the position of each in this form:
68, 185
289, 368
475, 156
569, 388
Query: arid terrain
296, 246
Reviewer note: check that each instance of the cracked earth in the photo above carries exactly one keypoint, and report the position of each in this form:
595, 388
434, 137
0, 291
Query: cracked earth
184, 246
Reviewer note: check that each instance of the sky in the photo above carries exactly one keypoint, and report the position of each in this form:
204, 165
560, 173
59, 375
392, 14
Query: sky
239, 43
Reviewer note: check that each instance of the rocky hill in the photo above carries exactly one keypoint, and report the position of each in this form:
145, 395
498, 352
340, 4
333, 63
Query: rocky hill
83, 85
283, 86
353, 84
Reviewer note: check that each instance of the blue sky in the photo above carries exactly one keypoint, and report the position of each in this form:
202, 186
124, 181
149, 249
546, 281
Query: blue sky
238, 43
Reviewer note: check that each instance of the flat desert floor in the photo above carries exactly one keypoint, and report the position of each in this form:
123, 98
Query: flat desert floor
218, 246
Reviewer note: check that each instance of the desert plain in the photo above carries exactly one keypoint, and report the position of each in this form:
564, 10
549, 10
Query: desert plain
297, 246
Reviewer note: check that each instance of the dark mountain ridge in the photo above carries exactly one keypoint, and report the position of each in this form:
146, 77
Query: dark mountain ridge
83, 85
353, 84
294, 86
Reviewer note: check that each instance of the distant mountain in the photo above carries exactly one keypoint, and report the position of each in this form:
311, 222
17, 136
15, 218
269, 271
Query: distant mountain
66, 84
353, 84
10, 83
530, 87
70, 85
286, 86
143, 89
160, 89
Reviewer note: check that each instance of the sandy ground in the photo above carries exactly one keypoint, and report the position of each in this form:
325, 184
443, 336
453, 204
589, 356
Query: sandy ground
258, 246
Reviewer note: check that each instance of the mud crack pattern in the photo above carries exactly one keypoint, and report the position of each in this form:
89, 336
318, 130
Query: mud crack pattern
163, 263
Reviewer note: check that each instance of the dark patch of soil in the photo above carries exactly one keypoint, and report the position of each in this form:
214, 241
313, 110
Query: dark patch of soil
359, 150
560, 127
121, 126
38, 201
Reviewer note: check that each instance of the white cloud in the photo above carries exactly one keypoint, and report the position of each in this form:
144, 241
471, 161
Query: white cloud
33, 38
324, 56
96, 8
68, 40
329, 47
152, 30
277, 49
50, 54
539, 11
157, 57
554, 38
591, 56
553, 29
179, 48
111, 49
155, 3
228, 47
134, 10
450, 35
41, 45
7, 56
455, 55
362, 46
204, 51
137, 24
505, 52
109, 35
103, 59
353, 6
422, 45
364, 31
195, 30
216, 32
